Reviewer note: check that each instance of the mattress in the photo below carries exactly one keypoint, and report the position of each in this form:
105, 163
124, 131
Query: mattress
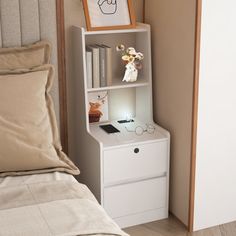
51, 204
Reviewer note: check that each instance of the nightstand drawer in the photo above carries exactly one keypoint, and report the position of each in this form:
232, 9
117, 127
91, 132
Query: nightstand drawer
135, 162
135, 198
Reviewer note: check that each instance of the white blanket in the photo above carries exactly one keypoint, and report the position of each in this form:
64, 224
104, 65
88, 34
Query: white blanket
52, 204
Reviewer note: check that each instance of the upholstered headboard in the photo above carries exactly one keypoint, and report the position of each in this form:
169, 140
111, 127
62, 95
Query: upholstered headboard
27, 21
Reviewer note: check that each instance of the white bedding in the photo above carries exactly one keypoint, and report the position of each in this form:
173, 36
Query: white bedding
53, 204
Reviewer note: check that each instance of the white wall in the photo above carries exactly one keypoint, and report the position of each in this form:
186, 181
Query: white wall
215, 196
74, 15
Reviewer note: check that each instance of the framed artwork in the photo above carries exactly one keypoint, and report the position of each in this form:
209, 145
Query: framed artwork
109, 14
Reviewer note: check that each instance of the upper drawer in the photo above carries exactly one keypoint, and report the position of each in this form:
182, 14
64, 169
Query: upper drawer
135, 162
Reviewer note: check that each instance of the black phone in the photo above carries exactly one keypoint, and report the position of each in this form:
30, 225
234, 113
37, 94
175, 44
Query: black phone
110, 129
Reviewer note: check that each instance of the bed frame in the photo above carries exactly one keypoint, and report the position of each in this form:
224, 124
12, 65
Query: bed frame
27, 21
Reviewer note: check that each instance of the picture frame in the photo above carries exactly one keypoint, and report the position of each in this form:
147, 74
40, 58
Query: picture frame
109, 14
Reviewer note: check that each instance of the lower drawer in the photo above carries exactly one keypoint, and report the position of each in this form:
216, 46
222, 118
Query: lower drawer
134, 198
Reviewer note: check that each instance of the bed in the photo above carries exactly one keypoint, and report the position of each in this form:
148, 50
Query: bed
40, 200
50, 204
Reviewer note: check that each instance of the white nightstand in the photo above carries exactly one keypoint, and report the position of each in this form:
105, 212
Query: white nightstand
135, 177
128, 173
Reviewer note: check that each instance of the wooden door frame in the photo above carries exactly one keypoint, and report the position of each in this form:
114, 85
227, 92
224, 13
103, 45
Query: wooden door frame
195, 113
62, 74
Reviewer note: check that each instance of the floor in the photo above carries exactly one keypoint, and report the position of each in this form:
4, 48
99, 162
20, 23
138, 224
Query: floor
172, 227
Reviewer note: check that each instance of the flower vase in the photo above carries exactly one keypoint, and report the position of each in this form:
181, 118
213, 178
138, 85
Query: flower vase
131, 73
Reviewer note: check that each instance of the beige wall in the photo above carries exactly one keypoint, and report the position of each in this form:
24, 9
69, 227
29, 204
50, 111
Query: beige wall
74, 16
173, 25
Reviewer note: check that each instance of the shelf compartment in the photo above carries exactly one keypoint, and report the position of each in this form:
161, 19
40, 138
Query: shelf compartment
130, 38
139, 28
120, 85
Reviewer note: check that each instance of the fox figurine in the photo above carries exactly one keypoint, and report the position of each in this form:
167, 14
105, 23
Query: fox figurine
94, 112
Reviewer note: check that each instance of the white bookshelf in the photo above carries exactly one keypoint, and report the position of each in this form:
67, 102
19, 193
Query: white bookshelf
142, 161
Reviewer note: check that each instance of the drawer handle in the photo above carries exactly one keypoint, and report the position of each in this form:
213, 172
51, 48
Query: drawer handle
136, 150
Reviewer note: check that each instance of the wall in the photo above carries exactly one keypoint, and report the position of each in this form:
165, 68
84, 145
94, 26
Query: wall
74, 16
216, 153
173, 31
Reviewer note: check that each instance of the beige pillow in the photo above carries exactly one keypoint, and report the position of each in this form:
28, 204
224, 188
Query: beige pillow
29, 138
29, 56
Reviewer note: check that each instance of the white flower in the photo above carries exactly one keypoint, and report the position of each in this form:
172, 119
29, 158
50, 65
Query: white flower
139, 56
131, 51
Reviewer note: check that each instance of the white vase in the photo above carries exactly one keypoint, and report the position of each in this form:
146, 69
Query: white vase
131, 73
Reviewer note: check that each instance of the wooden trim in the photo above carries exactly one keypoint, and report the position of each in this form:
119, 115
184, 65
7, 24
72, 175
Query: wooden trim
91, 28
62, 74
144, 11
180, 222
195, 113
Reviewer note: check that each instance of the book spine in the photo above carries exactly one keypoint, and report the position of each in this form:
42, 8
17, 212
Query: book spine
108, 66
102, 67
89, 69
96, 68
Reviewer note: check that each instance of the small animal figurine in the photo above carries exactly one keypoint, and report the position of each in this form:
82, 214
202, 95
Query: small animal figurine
131, 73
94, 112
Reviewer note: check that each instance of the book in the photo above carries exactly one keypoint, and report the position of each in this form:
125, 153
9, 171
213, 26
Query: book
89, 69
95, 65
102, 63
98, 106
108, 65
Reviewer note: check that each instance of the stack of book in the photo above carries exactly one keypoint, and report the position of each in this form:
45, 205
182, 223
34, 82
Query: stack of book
99, 66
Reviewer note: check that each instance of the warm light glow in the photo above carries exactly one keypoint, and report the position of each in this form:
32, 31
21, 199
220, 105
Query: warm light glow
128, 117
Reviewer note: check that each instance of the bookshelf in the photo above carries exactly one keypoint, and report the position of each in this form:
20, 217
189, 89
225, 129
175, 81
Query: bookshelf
116, 166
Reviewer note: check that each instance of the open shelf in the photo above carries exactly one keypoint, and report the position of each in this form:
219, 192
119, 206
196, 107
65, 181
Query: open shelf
120, 85
125, 138
136, 38
139, 28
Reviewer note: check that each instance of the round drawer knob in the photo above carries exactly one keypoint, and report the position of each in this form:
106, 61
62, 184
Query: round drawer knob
136, 150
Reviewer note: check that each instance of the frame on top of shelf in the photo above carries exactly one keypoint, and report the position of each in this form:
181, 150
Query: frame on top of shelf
109, 14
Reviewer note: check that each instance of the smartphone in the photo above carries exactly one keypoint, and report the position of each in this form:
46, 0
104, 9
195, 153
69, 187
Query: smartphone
110, 129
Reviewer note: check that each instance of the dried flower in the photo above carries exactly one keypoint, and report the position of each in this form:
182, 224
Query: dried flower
131, 51
138, 65
130, 56
139, 56
120, 47
131, 59
125, 58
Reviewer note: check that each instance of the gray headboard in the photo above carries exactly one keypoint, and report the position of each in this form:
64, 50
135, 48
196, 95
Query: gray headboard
27, 21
